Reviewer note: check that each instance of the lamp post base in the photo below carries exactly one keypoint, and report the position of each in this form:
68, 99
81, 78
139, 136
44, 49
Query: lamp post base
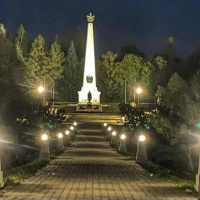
1, 179
197, 186
44, 152
60, 145
122, 147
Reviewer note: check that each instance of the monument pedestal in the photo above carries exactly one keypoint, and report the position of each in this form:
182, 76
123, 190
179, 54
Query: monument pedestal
89, 107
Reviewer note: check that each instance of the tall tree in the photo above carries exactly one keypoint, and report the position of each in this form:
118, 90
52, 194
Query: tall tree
193, 62
37, 62
107, 79
175, 64
136, 71
56, 58
21, 43
2, 30
71, 80
159, 73
79, 39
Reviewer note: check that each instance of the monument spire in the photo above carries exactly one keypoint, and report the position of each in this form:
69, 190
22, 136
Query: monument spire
89, 77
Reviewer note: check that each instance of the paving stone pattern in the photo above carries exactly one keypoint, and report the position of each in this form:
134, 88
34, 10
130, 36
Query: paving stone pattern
90, 169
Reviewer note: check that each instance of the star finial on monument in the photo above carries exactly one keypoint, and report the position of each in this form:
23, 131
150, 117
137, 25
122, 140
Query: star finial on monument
90, 18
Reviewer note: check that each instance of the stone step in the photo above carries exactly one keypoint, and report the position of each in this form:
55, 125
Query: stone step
93, 138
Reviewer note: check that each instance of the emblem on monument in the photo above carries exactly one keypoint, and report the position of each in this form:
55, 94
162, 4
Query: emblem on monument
89, 79
90, 18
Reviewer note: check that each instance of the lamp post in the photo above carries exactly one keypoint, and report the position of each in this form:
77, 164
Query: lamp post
197, 185
1, 174
104, 128
44, 151
67, 137
60, 145
122, 145
41, 89
138, 91
141, 149
114, 133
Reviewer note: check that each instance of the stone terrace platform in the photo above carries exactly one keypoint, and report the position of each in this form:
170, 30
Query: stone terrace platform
90, 169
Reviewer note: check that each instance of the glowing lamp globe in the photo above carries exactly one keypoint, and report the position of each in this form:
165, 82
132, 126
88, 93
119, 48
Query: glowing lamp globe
114, 133
41, 89
123, 136
109, 128
60, 135
105, 124
142, 138
138, 90
71, 128
44, 137
67, 132
75, 123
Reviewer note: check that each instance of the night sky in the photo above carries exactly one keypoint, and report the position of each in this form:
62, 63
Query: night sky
148, 23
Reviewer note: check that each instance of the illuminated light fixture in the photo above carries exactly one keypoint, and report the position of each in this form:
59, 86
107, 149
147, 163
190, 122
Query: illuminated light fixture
109, 128
105, 124
142, 138
75, 123
123, 136
114, 133
67, 132
71, 128
40, 89
44, 137
138, 90
60, 135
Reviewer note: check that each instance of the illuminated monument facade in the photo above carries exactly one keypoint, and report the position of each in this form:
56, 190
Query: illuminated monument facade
89, 93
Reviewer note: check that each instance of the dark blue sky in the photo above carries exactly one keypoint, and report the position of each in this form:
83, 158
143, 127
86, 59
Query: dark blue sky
148, 23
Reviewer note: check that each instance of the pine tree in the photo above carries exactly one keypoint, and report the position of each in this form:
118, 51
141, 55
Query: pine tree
36, 62
2, 30
21, 43
71, 75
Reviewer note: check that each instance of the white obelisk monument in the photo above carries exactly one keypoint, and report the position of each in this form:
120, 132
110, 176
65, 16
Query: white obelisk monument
89, 79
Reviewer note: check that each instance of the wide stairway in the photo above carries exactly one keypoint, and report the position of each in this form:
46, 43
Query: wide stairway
90, 169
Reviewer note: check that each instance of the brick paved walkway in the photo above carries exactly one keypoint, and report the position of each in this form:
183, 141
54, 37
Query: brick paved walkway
90, 169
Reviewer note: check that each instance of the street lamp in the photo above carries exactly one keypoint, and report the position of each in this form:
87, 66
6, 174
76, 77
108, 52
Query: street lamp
41, 90
122, 145
141, 138
44, 151
67, 138
114, 133
1, 175
60, 145
138, 91
71, 128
